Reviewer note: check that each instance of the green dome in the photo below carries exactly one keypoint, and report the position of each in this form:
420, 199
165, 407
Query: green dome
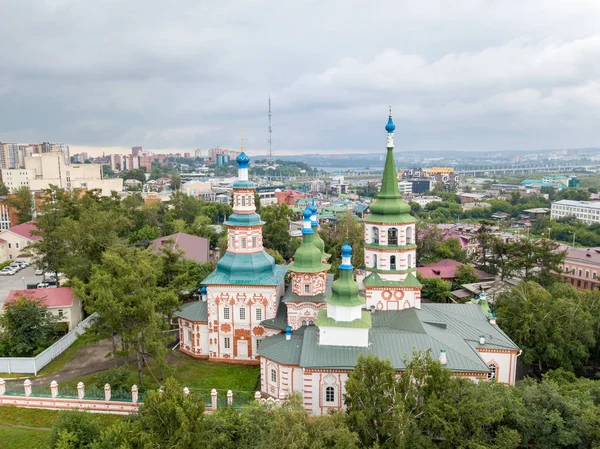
308, 257
389, 202
246, 266
319, 243
344, 291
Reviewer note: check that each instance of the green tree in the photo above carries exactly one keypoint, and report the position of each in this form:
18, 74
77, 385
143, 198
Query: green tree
428, 239
123, 289
465, 274
175, 181
23, 202
74, 429
554, 331
435, 289
3, 189
136, 173
451, 249
146, 234
27, 327
276, 234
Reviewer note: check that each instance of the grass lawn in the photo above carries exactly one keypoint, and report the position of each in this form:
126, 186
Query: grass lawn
38, 423
194, 374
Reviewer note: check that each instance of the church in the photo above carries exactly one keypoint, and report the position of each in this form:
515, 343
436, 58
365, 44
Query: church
308, 337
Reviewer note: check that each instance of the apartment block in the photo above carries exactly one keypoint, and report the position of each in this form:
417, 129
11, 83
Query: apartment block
586, 211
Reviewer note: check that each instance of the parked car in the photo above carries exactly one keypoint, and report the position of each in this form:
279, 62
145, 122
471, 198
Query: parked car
7, 271
23, 262
39, 272
42, 285
15, 266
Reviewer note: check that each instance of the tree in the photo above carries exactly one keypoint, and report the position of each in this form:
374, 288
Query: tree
144, 235
428, 239
275, 231
27, 327
554, 331
175, 181
3, 189
451, 249
74, 430
435, 289
123, 289
136, 173
22, 200
464, 274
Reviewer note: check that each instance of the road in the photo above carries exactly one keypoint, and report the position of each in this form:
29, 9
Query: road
17, 282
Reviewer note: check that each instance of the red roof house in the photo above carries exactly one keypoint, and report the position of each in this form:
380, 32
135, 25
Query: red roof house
446, 269
24, 230
60, 301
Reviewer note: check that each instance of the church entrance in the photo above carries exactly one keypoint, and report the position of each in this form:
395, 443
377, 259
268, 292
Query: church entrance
242, 348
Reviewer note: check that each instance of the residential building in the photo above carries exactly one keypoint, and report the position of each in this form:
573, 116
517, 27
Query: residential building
423, 200
468, 197
405, 187
421, 185
581, 268
61, 302
17, 239
310, 339
288, 197
45, 169
9, 155
137, 151
586, 211
194, 248
198, 189
8, 214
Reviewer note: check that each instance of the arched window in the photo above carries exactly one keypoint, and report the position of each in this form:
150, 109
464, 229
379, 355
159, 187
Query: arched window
307, 322
392, 236
273, 375
243, 200
330, 394
374, 260
409, 261
492, 372
392, 262
375, 235
409, 236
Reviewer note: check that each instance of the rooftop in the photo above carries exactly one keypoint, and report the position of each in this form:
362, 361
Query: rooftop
194, 248
587, 255
24, 230
446, 269
52, 297
588, 204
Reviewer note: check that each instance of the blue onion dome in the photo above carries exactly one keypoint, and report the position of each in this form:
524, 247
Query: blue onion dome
203, 290
313, 208
390, 127
242, 160
346, 249
307, 213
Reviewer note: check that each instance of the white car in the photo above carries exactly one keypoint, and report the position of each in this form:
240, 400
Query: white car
39, 272
42, 285
23, 262
7, 271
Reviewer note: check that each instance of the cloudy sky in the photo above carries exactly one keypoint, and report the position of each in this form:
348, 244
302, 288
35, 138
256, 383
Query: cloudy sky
184, 74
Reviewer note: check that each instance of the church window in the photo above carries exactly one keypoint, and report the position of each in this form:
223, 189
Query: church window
259, 314
307, 322
226, 313
392, 262
375, 235
587, 273
254, 242
374, 260
409, 235
273, 375
492, 372
243, 200
258, 343
392, 236
243, 244
329, 394
409, 261
242, 313
580, 273
227, 342
307, 288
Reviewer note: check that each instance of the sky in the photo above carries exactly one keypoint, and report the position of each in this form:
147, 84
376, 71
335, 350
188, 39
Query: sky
474, 75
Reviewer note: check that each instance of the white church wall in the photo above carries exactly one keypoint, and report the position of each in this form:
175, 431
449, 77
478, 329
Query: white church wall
343, 336
505, 362
342, 313
393, 299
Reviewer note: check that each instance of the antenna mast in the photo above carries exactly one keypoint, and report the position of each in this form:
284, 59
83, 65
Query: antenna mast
270, 159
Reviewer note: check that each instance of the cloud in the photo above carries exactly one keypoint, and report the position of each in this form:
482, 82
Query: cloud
461, 74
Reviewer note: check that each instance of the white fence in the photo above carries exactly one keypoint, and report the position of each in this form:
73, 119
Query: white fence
31, 365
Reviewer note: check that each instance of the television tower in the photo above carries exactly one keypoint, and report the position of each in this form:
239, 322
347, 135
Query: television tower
270, 159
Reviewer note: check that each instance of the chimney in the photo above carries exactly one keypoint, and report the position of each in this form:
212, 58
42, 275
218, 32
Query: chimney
482, 340
443, 357
288, 333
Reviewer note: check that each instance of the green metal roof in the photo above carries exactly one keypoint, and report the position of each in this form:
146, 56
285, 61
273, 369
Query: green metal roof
318, 242
364, 322
308, 257
246, 269
344, 291
374, 280
290, 296
193, 311
280, 320
389, 206
455, 328
243, 185
244, 220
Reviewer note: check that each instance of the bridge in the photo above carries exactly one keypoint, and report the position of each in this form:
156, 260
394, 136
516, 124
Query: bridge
527, 168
